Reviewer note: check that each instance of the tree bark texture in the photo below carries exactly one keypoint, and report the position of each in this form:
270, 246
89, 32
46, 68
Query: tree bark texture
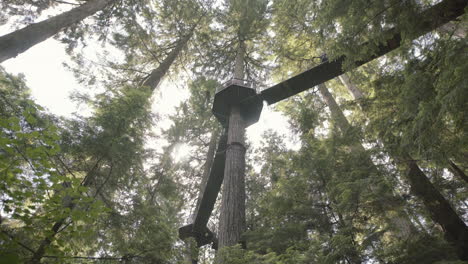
440, 210
21, 40
154, 78
357, 94
400, 222
239, 63
232, 219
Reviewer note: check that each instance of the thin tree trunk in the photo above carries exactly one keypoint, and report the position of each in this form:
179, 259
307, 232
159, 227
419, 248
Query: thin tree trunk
232, 218
21, 40
154, 78
453, 28
401, 222
336, 113
440, 210
67, 202
457, 171
239, 63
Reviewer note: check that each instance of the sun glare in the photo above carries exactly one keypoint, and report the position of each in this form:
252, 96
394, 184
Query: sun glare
181, 152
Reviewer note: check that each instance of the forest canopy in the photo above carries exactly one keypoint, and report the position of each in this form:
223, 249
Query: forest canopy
372, 167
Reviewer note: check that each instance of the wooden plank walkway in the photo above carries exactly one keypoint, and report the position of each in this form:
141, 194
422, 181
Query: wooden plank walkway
431, 19
198, 228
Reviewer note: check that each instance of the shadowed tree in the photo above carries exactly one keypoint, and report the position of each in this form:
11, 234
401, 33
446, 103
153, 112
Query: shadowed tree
440, 210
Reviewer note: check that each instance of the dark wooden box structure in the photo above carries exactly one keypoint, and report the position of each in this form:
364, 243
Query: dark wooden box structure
241, 92
237, 92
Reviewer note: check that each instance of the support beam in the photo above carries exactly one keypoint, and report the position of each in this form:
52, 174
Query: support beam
198, 228
212, 186
203, 236
431, 19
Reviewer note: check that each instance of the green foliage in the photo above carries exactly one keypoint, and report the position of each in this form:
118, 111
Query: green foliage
53, 176
237, 255
92, 186
432, 118
142, 36
434, 249
25, 11
28, 172
236, 22
193, 118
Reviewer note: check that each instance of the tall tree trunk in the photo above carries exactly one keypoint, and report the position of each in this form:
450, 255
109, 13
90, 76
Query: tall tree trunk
457, 171
21, 40
336, 113
67, 202
239, 63
152, 82
232, 219
440, 210
154, 78
453, 29
400, 222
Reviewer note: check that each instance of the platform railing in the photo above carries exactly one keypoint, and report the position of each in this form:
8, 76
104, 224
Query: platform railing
236, 81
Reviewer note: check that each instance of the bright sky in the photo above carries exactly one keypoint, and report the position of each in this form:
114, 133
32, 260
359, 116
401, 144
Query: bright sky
52, 84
